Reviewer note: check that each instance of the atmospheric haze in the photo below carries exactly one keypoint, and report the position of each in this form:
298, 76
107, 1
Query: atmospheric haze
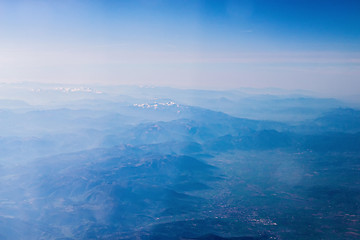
188, 44
179, 120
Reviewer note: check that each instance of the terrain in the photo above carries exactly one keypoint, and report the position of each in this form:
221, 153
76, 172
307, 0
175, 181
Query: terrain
128, 162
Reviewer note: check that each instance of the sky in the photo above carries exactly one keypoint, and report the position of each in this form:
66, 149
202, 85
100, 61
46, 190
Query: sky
205, 44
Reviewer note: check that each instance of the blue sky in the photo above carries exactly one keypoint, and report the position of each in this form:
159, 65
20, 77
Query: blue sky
297, 44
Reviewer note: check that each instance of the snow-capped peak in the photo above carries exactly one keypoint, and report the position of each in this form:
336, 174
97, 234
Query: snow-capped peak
156, 105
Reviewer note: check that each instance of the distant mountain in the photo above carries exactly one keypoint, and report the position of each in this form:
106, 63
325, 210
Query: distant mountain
13, 104
192, 124
50, 121
287, 108
340, 120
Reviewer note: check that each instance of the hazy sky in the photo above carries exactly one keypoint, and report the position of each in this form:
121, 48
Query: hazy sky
291, 44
